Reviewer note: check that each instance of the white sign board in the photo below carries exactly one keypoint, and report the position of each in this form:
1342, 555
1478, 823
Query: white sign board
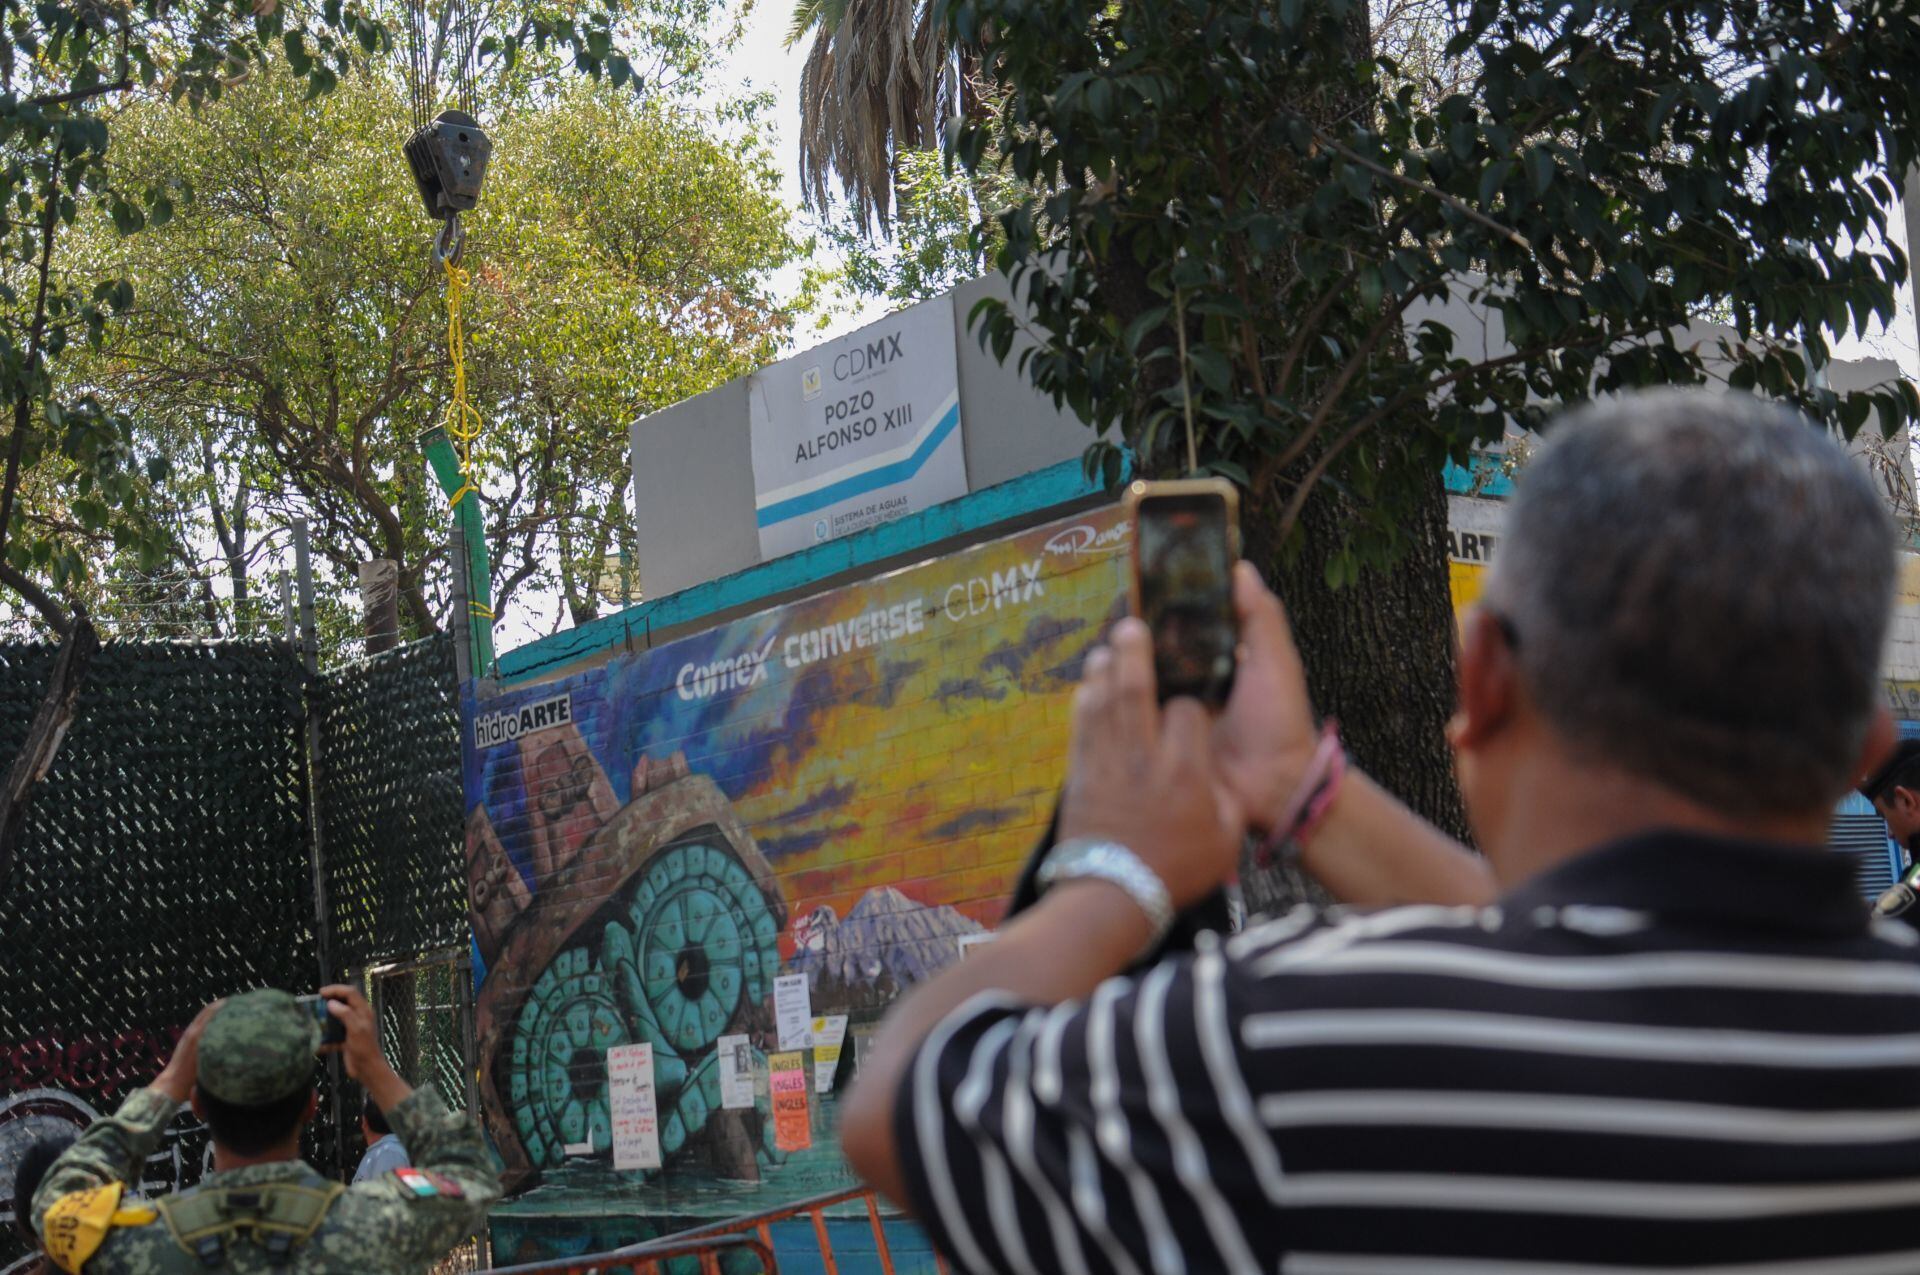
1474, 528
793, 1011
631, 1104
968, 942
829, 1034
857, 432
736, 1072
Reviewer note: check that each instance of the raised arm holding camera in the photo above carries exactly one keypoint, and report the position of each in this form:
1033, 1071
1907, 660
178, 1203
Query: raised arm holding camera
246, 1065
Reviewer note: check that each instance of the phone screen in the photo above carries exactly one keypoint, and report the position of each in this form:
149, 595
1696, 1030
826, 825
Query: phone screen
1186, 593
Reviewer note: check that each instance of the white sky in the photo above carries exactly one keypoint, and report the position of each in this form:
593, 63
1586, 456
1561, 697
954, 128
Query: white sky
762, 63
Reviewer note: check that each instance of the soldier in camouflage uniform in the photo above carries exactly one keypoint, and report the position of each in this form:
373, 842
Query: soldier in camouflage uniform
247, 1065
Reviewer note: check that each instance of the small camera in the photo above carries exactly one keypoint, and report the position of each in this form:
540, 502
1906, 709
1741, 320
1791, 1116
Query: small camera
332, 1030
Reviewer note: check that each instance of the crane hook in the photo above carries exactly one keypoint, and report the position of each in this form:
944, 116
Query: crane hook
450, 243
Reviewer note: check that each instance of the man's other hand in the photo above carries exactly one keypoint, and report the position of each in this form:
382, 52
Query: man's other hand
176, 1078
1144, 776
1266, 737
361, 1050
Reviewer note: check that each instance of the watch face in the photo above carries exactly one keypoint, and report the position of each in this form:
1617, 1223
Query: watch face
1895, 901
1069, 857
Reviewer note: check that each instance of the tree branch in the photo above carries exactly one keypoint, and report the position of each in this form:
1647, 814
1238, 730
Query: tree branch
79, 95
1310, 326
1458, 205
36, 597
1424, 390
23, 402
1298, 447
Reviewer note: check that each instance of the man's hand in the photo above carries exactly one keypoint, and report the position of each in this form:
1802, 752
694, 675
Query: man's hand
361, 1050
176, 1078
1144, 776
1266, 737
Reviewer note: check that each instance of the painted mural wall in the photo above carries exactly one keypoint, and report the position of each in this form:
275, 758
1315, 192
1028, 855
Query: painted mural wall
710, 847
833, 797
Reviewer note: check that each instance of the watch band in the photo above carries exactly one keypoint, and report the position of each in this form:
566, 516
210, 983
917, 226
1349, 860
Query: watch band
1110, 861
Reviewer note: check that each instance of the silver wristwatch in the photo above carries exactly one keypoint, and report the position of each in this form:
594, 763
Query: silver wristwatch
1111, 861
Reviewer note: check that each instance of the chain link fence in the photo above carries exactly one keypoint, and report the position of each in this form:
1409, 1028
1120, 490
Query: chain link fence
425, 1010
167, 859
388, 778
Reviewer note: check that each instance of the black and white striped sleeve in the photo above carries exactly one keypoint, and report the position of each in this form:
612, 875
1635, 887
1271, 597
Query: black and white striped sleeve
1113, 1134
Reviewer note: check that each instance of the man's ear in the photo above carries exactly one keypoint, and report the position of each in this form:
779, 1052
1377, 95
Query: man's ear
1489, 681
199, 1108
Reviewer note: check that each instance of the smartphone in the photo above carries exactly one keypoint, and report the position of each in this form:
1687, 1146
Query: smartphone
332, 1030
1186, 538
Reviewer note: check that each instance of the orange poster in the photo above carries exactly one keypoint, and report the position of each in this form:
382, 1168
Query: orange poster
792, 1127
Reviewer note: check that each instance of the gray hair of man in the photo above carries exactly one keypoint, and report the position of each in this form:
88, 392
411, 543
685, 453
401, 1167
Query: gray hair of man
1699, 586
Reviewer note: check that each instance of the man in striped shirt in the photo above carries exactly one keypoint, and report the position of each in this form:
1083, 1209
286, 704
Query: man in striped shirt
1655, 1029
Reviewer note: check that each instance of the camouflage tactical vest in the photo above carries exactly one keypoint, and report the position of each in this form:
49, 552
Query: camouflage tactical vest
277, 1217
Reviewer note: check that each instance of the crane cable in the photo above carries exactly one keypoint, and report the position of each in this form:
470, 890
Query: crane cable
448, 175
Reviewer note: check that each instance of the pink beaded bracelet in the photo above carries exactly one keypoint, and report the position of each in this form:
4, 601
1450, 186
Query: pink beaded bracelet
1308, 806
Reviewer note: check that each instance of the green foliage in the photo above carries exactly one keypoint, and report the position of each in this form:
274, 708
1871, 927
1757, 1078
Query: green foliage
931, 244
877, 84
290, 341
62, 63
1252, 184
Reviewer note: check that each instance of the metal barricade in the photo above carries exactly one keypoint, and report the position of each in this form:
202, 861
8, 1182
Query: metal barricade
645, 1259
751, 1232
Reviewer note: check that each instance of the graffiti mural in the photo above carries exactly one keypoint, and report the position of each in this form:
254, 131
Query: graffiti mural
842, 788
55, 1086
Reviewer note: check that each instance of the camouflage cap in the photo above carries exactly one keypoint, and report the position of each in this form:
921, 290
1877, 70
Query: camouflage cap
257, 1048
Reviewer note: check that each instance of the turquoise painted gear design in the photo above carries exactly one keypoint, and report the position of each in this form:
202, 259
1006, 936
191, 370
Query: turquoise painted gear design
701, 938
692, 947
696, 944
664, 928
559, 1076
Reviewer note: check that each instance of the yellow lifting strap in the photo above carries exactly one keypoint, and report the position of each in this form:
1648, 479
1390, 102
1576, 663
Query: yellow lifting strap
463, 422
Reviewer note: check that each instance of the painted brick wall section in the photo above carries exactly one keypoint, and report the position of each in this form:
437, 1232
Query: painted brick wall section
844, 787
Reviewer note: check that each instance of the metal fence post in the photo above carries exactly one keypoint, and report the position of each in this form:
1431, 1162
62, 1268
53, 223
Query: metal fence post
316, 833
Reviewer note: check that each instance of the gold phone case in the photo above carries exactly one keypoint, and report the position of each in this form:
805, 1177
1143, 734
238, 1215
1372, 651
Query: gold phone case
1140, 491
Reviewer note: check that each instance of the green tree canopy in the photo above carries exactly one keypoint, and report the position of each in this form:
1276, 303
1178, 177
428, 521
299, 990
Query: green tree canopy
1232, 218
68, 69
288, 342
1251, 237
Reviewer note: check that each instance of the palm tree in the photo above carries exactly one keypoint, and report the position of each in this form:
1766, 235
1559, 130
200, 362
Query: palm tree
880, 80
